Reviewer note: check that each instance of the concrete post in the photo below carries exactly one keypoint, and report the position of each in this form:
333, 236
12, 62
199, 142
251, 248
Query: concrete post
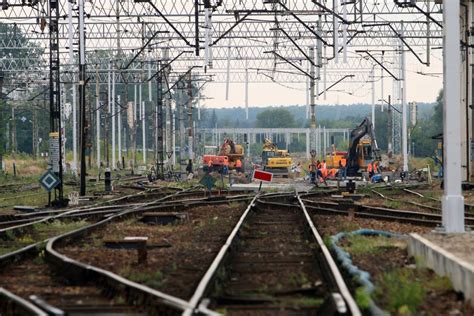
453, 201
372, 75
404, 104
112, 117
97, 113
312, 101
308, 155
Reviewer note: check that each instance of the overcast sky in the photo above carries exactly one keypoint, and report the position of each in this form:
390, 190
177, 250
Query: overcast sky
420, 88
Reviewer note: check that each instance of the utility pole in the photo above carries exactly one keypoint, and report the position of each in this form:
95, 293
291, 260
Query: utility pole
133, 134
404, 104
55, 138
2, 145
13, 130
107, 123
381, 83
113, 118
389, 127
143, 117
97, 114
150, 100
119, 129
168, 112
312, 101
73, 89
160, 120
35, 134
82, 95
190, 117
180, 113
372, 74
453, 200
117, 98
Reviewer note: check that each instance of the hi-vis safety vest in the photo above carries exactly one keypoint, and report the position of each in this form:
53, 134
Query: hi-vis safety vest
369, 167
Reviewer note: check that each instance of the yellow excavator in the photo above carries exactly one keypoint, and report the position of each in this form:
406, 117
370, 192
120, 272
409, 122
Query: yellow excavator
362, 150
274, 160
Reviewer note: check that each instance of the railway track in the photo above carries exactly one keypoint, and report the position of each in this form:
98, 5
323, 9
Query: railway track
56, 285
45, 286
428, 203
380, 213
22, 220
84, 285
274, 261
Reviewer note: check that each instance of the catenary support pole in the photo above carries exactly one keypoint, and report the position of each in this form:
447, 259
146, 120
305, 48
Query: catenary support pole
73, 90
312, 102
113, 118
97, 114
144, 146
372, 79
307, 96
453, 200
335, 32
404, 104
107, 120
246, 91
119, 130
227, 82
190, 117
381, 85
82, 95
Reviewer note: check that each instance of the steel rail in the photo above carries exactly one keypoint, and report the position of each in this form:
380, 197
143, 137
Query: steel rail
371, 215
83, 209
26, 307
468, 207
34, 247
367, 211
431, 208
204, 284
338, 278
113, 279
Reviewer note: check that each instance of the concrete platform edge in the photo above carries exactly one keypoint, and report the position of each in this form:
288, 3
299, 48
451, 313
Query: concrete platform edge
460, 272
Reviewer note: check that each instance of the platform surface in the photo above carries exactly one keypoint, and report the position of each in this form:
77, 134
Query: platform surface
450, 255
460, 245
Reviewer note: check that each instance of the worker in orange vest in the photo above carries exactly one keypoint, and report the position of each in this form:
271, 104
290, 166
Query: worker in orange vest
312, 172
238, 166
342, 169
225, 168
376, 167
209, 165
324, 169
370, 170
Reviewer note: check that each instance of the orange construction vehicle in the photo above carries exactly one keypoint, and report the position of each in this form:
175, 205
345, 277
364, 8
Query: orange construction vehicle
229, 152
362, 150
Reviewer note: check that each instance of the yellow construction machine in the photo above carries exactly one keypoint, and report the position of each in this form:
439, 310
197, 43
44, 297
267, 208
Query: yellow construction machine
363, 149
275, 160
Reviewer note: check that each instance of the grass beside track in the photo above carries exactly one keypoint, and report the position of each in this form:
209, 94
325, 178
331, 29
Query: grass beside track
38, 232
402, 286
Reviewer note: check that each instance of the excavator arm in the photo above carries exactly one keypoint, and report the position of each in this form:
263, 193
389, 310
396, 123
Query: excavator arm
356, 134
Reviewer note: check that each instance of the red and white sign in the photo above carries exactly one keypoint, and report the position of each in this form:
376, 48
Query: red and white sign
262, 175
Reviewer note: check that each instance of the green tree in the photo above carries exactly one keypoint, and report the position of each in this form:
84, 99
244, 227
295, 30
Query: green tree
273, 118
14, 63
422, 133
213, 120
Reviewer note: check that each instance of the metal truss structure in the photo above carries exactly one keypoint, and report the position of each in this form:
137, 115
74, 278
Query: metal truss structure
257, 35
325, 44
